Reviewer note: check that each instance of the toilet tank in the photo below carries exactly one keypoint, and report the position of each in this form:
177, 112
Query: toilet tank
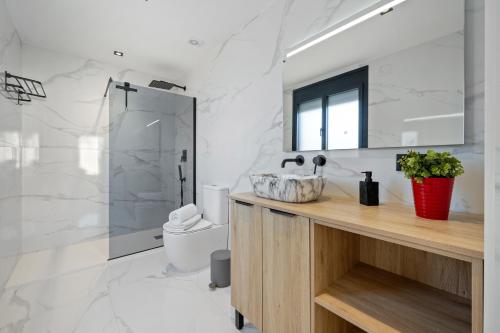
216, 204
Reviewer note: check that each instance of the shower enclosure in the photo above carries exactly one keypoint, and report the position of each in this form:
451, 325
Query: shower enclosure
151, 163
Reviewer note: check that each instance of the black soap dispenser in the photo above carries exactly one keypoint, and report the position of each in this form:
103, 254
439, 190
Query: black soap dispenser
368, 191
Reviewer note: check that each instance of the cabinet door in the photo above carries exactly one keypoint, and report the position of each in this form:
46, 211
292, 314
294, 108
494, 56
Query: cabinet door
246, 261
286, 280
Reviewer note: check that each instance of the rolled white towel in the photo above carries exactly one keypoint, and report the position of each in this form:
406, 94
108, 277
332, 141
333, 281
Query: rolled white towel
188, 224
182, 214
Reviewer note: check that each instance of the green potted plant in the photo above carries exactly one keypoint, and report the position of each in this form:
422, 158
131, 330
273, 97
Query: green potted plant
432, 176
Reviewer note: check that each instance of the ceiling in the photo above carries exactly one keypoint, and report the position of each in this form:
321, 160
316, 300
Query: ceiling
154, 34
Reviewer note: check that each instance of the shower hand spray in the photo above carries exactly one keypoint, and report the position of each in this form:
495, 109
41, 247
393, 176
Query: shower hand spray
182, 179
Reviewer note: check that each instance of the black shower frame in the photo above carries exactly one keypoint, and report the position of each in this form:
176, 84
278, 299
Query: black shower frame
194, 150
194, 130
110, 81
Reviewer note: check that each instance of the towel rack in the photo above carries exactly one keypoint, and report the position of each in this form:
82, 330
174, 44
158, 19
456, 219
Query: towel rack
21, 89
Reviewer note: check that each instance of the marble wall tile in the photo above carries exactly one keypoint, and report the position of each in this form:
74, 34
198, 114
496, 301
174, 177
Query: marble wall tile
240, 122
65, 149
10, 152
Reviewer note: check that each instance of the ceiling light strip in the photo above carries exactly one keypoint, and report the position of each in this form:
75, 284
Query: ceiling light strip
343, 27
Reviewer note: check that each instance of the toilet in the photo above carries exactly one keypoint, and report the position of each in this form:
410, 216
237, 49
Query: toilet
190, 250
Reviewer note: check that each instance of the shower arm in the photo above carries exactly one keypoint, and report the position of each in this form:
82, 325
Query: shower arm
180, 87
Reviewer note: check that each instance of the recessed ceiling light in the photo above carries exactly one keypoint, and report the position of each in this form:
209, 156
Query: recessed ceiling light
118, 53
195, 42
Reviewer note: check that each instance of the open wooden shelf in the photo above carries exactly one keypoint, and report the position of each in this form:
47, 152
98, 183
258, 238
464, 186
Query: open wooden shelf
378, 301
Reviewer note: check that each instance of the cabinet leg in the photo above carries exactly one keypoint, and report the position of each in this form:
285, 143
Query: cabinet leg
238, 320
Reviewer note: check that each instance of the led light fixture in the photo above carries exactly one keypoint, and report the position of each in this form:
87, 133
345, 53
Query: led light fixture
379, 10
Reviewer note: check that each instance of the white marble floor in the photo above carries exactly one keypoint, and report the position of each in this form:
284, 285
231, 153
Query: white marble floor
46, 264
135, 294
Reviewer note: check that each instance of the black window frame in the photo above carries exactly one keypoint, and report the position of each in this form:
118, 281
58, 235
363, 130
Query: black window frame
354, 79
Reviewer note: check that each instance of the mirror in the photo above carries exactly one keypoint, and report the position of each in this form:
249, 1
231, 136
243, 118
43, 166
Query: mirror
393, 80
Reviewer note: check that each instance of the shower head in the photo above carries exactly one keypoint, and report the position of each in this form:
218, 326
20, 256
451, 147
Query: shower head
165, 85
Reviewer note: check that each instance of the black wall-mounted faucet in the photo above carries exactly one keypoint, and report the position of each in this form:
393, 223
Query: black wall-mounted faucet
319, 160
299, 160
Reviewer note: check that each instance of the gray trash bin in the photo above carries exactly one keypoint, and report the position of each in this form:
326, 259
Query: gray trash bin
220, 268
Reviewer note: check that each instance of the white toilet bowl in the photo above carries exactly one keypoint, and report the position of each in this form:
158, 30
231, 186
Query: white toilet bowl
190, 250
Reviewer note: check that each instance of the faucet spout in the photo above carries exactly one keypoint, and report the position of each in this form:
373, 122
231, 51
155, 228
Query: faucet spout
299, 160
285, 161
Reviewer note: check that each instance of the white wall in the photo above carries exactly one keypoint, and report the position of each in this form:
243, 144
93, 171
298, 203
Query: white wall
10, 148
492, 166
240, 108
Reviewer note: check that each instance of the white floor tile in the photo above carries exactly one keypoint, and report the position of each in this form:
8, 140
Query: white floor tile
135, 294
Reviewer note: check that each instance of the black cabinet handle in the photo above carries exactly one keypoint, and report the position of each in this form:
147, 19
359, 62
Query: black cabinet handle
243, 203
279, 212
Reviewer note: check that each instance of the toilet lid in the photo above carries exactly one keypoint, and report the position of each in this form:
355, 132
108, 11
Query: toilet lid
202, 225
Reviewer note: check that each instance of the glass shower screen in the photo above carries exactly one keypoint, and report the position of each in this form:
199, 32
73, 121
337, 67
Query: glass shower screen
151, 163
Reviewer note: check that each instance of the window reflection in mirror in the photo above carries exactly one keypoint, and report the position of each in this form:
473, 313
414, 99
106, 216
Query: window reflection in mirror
414, 92
309, 115
332, 114
343, 120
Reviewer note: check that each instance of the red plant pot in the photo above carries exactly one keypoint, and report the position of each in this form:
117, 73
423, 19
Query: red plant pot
432, 197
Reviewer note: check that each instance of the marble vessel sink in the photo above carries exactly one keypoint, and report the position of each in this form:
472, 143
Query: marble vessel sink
288, 188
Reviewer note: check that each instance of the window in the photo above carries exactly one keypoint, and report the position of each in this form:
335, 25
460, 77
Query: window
333, 113
309, 118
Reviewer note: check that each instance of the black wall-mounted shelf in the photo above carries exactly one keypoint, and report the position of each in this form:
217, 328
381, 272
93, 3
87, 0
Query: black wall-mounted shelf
21, 89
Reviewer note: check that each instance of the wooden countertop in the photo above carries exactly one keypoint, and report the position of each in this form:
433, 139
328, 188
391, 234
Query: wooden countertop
461, 237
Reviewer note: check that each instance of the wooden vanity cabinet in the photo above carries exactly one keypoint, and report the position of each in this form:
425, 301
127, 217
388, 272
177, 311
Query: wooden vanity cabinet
334, 266
270, 268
